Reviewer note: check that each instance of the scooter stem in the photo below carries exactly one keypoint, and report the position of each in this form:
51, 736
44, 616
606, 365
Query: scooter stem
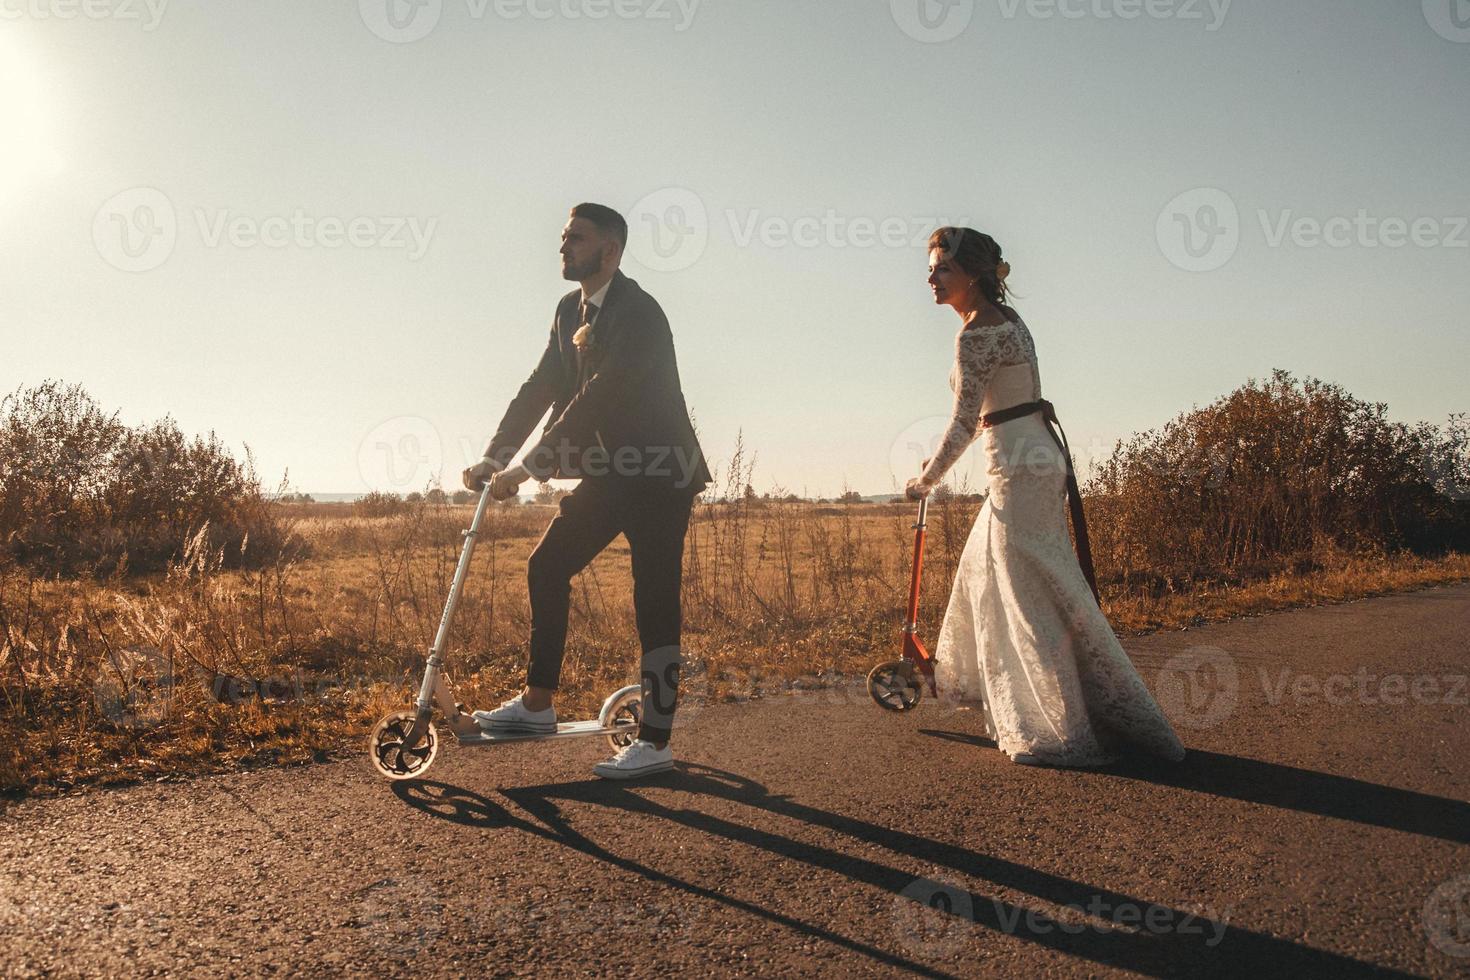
441, 638
912, 622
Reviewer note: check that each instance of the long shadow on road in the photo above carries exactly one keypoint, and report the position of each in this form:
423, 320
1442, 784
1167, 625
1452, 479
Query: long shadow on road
1191, 944
470, 809
1290, 788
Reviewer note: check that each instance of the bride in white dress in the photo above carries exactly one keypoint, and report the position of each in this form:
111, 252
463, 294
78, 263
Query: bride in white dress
1023, 632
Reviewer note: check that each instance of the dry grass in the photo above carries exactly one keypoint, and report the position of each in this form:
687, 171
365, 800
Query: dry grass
204, 668
234, 631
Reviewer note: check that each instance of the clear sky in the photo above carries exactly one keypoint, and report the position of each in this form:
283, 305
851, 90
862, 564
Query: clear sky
329, 230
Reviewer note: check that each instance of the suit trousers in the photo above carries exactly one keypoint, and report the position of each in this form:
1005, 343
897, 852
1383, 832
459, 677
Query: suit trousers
654, 517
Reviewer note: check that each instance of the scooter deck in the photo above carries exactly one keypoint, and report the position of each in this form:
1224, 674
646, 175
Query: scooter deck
567, 729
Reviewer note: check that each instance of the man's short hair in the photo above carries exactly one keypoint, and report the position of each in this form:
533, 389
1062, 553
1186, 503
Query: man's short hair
606, 219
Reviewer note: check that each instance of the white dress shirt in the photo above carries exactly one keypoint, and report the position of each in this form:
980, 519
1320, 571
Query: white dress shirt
597, 298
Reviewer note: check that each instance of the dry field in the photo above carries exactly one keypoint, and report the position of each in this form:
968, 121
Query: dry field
202, 669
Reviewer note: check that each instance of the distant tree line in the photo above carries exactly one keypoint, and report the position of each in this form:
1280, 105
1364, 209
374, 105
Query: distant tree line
1281, 467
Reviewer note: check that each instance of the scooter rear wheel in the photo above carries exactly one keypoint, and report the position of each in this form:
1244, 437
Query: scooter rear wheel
894, 687
389, 756
624, 708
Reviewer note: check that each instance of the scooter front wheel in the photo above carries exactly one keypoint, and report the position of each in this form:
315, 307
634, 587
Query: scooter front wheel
894, 687
390, 753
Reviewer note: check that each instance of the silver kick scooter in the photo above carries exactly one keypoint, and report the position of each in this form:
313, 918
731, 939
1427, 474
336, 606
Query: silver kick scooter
403, 745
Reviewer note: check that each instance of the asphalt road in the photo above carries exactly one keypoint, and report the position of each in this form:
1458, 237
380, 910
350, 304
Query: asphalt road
1319, 827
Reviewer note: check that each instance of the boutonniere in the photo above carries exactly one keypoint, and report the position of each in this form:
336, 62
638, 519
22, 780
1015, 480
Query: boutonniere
582, 339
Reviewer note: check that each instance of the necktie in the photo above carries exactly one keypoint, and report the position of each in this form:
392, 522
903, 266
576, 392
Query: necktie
582, 339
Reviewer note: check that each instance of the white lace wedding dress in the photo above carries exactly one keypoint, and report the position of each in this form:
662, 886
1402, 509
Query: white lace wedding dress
1022, 632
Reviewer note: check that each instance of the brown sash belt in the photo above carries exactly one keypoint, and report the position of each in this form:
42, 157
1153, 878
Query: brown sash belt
1074, 495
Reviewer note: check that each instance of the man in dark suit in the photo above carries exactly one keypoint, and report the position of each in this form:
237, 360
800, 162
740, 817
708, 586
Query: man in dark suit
619, 423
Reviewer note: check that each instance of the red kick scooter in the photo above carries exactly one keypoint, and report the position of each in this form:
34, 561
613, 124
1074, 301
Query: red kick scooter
898, 685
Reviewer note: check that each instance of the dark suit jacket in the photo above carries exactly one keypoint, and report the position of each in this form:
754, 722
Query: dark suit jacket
617, 409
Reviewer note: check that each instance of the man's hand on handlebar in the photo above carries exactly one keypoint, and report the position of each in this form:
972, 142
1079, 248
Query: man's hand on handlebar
503, 486
478, 475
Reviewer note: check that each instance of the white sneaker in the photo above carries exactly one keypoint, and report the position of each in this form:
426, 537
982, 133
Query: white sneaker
637, 758
512, 718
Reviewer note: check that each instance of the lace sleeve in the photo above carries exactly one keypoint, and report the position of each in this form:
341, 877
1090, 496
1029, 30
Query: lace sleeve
978, 353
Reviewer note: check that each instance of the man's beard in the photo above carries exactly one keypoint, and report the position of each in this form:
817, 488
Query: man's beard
577, 273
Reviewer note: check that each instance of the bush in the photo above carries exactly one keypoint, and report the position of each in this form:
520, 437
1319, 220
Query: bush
81, 493
1277, 469
379, 504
